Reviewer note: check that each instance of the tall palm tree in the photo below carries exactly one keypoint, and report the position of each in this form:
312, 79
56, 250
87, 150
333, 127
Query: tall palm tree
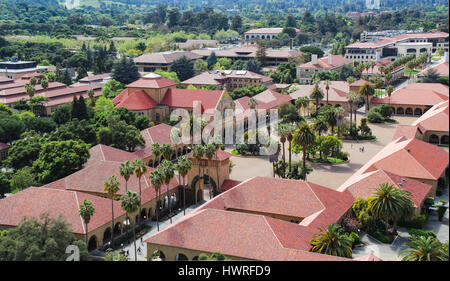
210, 150
30, 90
332, 241
389, 203
389, 91
156, 151
198, 152
299, 104
282, 130
327, 88
252, 103
183, 166
86, 211
111, 187
367, 90
157, 180
388, 78
167, 169
167, 151
304, 137
352, 99
126, 169
305, 103
422, 248
316, 94
217, 141
331, 118
340, 114
290, 129
131, 203
140, 168
44, 84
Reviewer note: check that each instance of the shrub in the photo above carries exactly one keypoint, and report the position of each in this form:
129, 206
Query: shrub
420, 232
383, 237
354, 238
374, 116
417, 221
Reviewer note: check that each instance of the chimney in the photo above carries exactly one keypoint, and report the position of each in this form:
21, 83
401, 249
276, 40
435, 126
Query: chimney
330, 59
446, 57
314, 59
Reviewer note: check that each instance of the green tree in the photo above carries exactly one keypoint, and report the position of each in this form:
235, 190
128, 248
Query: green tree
211, 60
43, 239
156, 178
140, 169
183, 166
126, 170
62, 114
200, 66
183, 67
111, 187
58, 159
167, 169
22, 179
86, 210
112, 88
367, 90
332, 241
316, 94
130, 203
304, 137
125, 71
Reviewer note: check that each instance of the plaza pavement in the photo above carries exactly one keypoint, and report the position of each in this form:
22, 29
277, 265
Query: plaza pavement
331, 176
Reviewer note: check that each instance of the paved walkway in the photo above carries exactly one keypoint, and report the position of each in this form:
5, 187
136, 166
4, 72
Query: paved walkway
162, 225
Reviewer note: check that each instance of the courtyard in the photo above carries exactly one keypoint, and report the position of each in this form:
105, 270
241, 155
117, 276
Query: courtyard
331, 176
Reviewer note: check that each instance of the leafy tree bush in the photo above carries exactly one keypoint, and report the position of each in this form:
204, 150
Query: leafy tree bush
125, 71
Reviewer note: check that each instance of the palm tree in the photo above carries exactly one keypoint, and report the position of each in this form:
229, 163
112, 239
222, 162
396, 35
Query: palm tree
44, 84
290, 129
388, 77
183, 166
167, 169
111, 187
422, 248
320, 126
140, 168
340, 113
157, 180
327, 88
283, 134
198, 152
252, 103
86, 211
167, 151
332, 241
156, 151
210, 150
331, 118
217, 141
299, 104
316, 95
352, 99
389, 91
305, 102
304, 137
367, 90
131, 203
389, 203
126, 169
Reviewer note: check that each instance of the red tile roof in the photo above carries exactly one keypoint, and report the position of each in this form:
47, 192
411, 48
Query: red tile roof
366, 184
390, 40
157, 134
33, 201
435, 119
411, 158
323, 63
94, 78
234, 234
165, 58
103, 152
427, 94
441, 68
337, 92
407, 131
184, 98
138, 100
4, 146
228, 184
267, 30
215, 77
153, 81
269, 99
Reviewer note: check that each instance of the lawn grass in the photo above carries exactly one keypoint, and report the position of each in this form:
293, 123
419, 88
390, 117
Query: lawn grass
234, 152
329, 160
412, 72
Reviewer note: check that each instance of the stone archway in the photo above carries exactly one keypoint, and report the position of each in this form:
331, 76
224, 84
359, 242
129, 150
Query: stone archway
445, 140
107, 235
409, 111
400, 110
181, 257
418, 111
118, 229
195, 258
143, 216
149, 213
150, 163
199, 195
162, 256
433, 139
92, 244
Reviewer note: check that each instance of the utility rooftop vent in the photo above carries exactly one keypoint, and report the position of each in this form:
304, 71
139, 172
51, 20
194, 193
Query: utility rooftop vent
241, 72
